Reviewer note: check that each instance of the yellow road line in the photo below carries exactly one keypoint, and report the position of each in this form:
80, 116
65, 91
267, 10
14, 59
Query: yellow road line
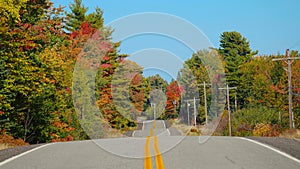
158, 158
147, 159
151, 132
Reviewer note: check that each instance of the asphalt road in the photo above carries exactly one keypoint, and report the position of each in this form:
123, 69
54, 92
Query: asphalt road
169, 152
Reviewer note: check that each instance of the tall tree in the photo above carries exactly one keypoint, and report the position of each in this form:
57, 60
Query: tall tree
235, 50
33, 10
173, 98
128, 94
31, 88
157, 82
78, 15
96, 18
9, 10
204, 67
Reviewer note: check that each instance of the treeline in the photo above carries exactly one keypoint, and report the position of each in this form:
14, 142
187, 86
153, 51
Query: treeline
36, 65
39, 48
260, 102
40, 100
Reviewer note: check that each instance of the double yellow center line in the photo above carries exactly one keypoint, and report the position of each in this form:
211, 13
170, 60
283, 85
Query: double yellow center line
158, 158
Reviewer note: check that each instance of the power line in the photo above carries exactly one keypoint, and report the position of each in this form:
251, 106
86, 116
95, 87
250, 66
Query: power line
289, 60
205, 101
227, 88
188, 112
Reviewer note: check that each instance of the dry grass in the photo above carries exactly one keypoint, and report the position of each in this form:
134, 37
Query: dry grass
184, 129
4, 146
291, 133
113, 133
7, 141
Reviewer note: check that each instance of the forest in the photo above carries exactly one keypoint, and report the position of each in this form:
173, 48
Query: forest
39, 48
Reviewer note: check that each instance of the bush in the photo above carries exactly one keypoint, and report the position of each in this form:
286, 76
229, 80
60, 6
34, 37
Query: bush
266, 130
194, 130
10, 141
258, 121
291, 133
243, 130
222, 128
256, 115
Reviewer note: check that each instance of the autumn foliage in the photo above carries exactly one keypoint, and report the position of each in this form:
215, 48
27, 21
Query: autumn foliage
173, 93
40, 46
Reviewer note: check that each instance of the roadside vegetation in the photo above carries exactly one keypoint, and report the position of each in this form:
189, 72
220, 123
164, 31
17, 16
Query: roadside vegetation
39, 45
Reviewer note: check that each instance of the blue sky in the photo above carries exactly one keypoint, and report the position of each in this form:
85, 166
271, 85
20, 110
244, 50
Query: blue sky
271, 26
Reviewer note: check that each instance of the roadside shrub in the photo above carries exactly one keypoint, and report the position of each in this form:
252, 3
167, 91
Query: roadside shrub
266, 130
297, 121
255, 115
258, 121
291, 133
194, 130
243, 130
222, 128
10, 141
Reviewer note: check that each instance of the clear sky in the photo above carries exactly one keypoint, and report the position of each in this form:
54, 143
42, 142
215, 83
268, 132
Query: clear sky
271, 26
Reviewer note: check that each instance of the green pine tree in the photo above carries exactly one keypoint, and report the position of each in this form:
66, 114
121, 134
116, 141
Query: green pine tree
235, 51
77, 15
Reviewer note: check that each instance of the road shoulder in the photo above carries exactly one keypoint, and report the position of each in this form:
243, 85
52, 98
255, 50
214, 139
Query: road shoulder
11, 152
289, 146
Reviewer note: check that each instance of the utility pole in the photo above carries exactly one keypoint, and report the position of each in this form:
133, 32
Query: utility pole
154, 113
235, 102
228, 105
228, 108
174, 104
205, 101
195, 112
289, 61
188, 111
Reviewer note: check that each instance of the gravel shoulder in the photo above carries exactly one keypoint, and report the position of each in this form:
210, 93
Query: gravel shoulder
289, 146
10, 152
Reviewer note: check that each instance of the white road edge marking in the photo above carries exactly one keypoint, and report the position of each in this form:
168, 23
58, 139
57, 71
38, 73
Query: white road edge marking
22, 154
166, 128
169, 132
271, 148
164, 124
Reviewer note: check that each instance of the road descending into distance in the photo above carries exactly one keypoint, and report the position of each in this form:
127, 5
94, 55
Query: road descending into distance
154, 147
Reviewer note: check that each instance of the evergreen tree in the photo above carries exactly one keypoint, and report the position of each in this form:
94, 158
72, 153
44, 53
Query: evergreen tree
157, 82
96, 18
78, 15
235, 50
